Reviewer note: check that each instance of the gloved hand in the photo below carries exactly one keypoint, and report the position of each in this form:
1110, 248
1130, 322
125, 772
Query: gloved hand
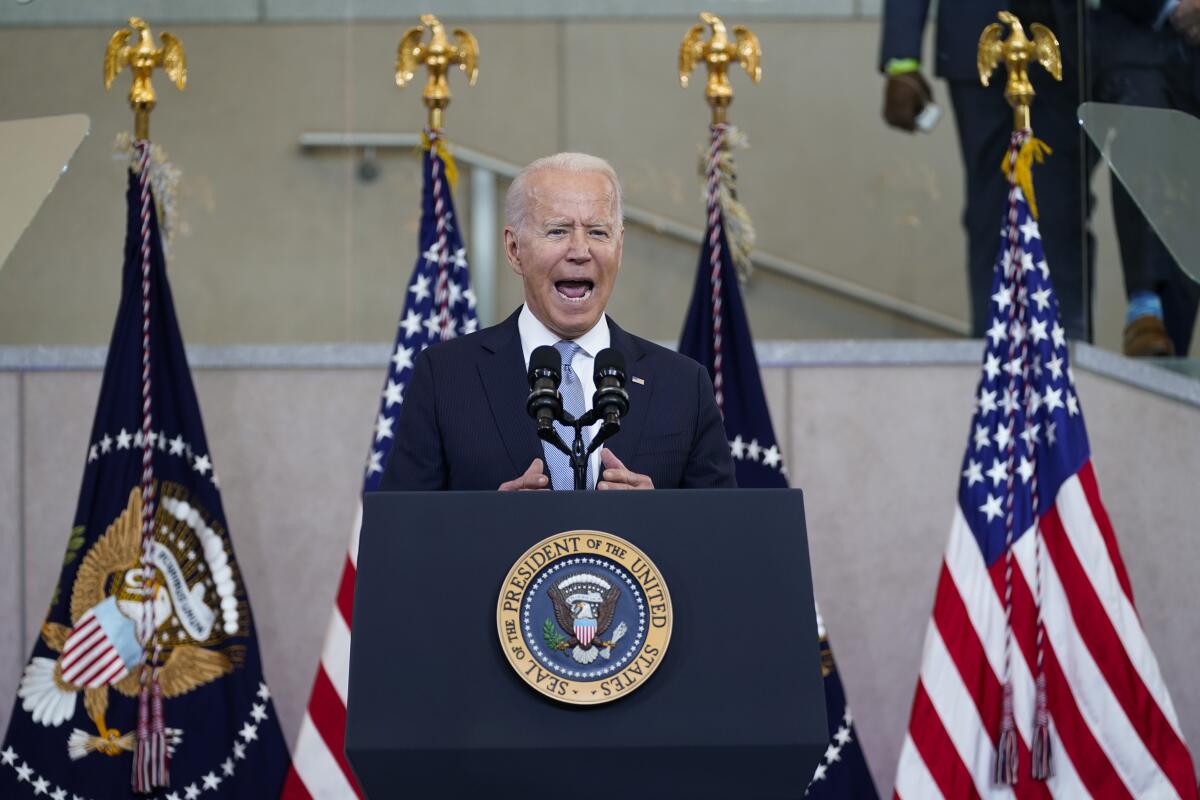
903, 98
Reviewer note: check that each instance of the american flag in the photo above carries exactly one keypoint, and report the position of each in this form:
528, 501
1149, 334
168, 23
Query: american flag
1035, 641
438, 305
717, 334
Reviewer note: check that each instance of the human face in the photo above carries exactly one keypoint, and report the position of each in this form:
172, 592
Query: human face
567, 249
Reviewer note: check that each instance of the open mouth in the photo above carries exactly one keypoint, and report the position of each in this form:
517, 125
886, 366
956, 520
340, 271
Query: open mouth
574, 291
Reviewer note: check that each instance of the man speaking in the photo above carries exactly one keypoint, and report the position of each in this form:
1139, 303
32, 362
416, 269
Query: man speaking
464, 423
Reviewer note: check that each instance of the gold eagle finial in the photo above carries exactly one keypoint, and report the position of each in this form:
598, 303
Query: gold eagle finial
142, 57
438, 55
717, 54
1017, 52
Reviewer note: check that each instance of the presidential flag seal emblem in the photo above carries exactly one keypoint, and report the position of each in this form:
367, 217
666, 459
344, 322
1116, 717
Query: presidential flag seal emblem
584, 617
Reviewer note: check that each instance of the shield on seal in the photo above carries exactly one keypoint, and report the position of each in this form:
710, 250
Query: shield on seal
585, 629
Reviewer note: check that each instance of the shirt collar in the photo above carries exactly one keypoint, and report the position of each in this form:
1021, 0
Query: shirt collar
534, 334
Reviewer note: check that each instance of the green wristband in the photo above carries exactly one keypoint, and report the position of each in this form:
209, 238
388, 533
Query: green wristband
901, 66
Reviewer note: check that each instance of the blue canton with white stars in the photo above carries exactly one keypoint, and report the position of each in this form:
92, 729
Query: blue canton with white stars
420, 322
1026, 348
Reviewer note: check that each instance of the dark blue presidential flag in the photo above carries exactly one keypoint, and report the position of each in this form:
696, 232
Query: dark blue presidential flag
146, 671
717, 334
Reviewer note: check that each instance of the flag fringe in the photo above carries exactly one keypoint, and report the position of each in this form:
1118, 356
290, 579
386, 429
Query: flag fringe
164, 181
1021, 172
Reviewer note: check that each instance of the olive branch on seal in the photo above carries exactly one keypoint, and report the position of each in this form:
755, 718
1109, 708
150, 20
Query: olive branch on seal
550, 635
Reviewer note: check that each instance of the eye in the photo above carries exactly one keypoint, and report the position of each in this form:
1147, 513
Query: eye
598, 233
555, 232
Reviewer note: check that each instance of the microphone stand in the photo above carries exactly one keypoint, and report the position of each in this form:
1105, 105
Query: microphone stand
577, 453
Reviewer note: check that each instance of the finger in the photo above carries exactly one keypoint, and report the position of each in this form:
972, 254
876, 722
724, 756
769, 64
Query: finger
617, 476
624, 479
609, 459
533, 478
524, 484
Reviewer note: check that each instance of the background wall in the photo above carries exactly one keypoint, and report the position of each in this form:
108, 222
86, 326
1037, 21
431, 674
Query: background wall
287, 246
880, 485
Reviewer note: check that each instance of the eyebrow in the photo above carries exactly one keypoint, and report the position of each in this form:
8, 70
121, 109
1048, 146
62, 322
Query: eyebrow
563, 222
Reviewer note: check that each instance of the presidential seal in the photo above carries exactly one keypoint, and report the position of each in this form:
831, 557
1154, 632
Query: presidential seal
584, 617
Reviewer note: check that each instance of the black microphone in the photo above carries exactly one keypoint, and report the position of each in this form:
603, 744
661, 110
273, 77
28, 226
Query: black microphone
545, 373
611, 401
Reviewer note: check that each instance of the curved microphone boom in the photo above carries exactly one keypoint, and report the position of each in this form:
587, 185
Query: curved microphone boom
611, 401
545, 373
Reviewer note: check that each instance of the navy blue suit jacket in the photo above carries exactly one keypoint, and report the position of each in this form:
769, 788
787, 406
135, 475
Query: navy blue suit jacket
464, 425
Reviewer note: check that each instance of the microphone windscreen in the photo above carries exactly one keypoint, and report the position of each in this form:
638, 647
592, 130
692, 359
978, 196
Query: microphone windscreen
545, 358
610, 358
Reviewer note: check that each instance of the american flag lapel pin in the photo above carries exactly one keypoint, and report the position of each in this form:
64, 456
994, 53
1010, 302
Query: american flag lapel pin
639, 381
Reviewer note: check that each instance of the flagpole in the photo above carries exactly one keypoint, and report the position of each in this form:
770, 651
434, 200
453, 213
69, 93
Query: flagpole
717, 54
721, 50
150, 754
438, 55
1016, 51
142, 57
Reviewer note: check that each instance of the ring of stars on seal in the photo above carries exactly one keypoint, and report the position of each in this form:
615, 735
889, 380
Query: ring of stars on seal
584, 617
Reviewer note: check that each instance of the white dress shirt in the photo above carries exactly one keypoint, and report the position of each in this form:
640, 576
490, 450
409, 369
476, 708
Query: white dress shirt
534, 334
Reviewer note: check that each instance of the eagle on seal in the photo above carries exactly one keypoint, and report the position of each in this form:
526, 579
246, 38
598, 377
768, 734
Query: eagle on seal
582, 626
48, 689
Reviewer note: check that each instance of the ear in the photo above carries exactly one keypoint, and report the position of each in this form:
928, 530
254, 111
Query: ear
512, 250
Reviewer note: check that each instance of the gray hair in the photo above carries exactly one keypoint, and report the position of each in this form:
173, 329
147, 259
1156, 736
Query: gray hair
516, 200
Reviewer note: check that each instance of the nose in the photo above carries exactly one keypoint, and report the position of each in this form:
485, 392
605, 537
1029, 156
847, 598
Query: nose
579, 251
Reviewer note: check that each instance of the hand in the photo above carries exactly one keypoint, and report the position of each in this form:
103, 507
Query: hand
1186, 20
616, 476
903, 98
532, 480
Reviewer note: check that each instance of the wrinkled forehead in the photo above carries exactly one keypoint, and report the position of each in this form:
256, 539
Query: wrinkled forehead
579, 197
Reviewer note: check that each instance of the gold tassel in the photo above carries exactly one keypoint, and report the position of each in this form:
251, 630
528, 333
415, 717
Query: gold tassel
1033, 149
443, 152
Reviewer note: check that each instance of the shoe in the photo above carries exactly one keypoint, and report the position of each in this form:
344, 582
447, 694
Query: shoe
1146, 337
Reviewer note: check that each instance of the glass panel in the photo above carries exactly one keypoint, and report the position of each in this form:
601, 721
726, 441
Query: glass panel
33, 154
1142, 95
1152, 152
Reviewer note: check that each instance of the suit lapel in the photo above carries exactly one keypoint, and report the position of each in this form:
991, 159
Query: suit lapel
636, 365
504, 381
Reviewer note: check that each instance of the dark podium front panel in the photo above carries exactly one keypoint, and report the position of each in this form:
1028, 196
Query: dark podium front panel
735, 709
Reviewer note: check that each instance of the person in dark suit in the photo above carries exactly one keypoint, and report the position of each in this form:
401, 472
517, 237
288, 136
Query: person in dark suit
1143, 53
984, 121
464, 424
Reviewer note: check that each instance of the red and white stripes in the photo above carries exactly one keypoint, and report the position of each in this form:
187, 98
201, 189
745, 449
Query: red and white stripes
89, 657
319, 766
1114, 729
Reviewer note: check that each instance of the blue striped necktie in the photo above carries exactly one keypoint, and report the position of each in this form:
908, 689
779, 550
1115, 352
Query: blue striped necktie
558, 462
